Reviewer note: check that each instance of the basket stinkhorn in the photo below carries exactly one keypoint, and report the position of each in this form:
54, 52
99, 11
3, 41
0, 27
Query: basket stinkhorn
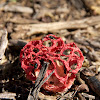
65, 59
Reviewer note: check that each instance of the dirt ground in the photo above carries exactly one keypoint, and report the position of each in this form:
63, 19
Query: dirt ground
76, 21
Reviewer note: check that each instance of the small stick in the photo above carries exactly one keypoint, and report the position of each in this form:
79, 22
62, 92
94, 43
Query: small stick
3, 42
88, 96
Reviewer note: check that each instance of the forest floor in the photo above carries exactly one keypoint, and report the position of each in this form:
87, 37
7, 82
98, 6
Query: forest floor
76, 21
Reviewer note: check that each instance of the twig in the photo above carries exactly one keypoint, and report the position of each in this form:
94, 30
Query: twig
17, 8
88, 96
20, 20
51, 27
3, 42
39, 82
94, 83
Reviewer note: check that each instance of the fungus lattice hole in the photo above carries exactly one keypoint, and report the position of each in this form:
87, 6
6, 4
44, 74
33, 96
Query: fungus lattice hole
51, 82
67, 52
59, 43
60, 68
33, 55
26, 54
51, 37
57, 52
51, 66
35, 65
35, 43
73, 66
23, 55
65, 71
64, 58
33, 73
70, 77
77, 53
28, 46
72, 45
47, 43
31, 64
58, 63
36, 50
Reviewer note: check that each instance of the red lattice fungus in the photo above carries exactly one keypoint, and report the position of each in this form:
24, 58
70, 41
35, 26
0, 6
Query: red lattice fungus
65, 59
